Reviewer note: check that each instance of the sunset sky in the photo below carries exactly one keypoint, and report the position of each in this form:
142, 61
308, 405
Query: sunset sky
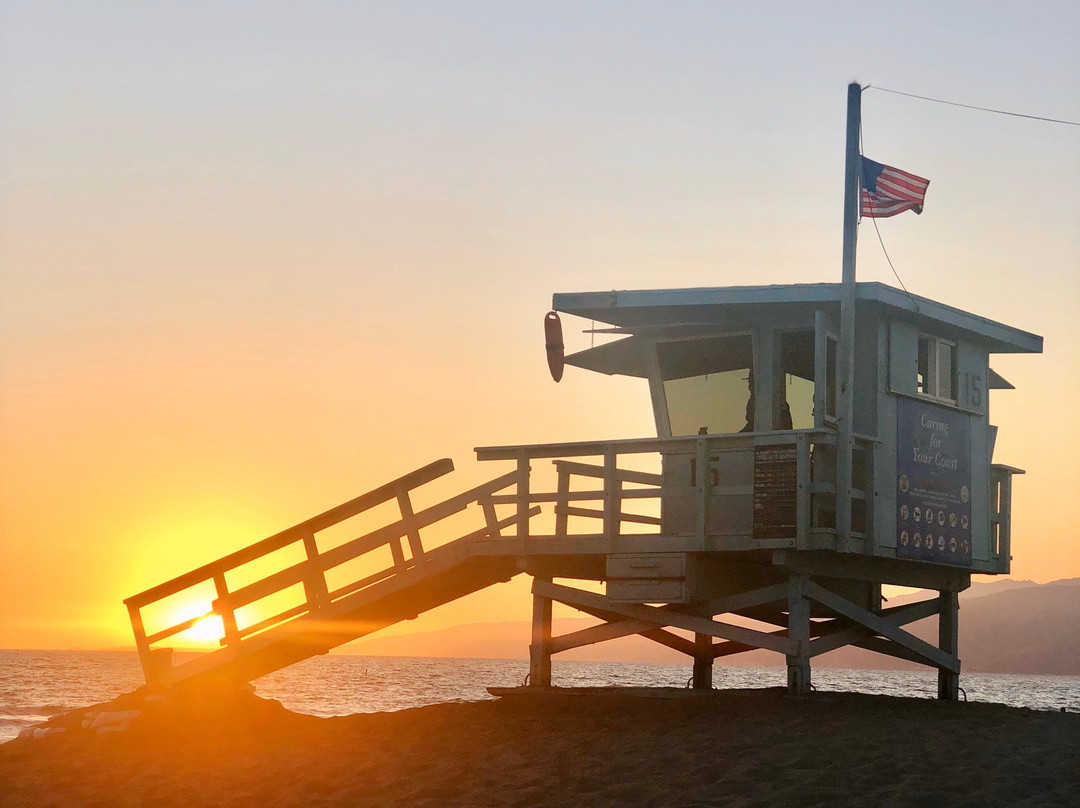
257, 258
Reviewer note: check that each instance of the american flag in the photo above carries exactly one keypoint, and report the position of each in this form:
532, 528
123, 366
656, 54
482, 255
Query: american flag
887, 191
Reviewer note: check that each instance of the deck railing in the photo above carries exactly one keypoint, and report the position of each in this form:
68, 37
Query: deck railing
1001, 514
319, 597
813, 485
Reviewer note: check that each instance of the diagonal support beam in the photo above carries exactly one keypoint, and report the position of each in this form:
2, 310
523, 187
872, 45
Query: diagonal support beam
650, 631
745, 600
663, 617
834, 628
723, 649
889, 648
897, 616
880, 625
615, 630
618, 627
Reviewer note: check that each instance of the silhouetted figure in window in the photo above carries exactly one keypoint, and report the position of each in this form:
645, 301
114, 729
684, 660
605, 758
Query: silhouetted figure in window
749, 404
785, 415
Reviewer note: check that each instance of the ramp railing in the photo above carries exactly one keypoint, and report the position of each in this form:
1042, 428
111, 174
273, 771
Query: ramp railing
319, 597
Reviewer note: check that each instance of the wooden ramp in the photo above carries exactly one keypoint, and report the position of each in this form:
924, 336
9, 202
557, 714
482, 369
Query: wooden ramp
244, 590
674, 551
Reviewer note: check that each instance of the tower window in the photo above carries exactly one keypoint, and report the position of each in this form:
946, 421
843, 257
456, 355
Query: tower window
709, 384
937, 368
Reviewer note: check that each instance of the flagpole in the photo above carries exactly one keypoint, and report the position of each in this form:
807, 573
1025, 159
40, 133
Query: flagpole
846, 357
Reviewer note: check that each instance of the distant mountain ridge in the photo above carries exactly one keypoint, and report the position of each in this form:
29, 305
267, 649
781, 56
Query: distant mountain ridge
1005, 627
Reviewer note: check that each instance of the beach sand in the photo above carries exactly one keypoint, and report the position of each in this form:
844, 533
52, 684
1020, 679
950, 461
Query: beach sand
725, 748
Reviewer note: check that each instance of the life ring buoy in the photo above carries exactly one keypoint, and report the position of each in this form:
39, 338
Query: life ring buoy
554, 343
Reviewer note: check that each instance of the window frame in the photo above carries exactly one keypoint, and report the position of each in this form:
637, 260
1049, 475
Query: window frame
656, 375
781, 382
826, 357
931, 385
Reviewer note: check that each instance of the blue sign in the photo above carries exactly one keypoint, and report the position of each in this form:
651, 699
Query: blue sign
933, 483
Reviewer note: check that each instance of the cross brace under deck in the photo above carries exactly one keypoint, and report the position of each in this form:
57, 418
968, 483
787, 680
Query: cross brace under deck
798, 637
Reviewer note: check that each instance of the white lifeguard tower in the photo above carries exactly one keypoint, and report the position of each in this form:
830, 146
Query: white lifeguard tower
813, 443
744, 389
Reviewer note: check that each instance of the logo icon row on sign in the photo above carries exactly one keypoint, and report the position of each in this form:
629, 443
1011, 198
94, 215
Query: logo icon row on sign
930, 516
918, 541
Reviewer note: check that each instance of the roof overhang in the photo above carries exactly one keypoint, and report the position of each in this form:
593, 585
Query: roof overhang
620, 358
641, 311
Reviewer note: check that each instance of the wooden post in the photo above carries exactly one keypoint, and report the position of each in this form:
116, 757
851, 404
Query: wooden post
656, 387
948, 682
318, 597
408, 521
701, 490
523, 499
228, 616
845, 359
803, 501
562, 518
868, 484
703, 661
1005, 522
763, 390
798, 665
161, 663
612, 500
398, 555
491, 518
143, 647
540, 649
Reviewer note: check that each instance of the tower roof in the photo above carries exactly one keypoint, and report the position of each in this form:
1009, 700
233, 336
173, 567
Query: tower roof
665, 313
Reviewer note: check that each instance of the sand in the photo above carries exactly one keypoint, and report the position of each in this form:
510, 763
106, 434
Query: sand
726, 748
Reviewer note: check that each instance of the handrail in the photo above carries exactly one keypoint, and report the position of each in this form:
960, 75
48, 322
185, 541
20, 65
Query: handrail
682, 443
356, 547
346, 510
312, 570
677, 444
625, 475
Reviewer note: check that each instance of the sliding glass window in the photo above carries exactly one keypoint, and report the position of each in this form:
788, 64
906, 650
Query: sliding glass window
708, 384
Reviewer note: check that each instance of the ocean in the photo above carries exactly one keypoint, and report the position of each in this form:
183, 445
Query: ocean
35, 685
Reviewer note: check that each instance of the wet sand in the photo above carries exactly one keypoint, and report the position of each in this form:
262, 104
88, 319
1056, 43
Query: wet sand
727, 748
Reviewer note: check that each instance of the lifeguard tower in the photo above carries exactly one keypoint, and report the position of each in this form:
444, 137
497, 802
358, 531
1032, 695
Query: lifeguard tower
736, 507
813, 443
753, 520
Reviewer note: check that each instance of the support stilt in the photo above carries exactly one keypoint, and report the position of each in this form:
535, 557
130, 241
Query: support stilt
798, 665
703, 661
948, 634
540, 649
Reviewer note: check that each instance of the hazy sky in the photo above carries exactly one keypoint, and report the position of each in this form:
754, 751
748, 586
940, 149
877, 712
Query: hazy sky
257, 258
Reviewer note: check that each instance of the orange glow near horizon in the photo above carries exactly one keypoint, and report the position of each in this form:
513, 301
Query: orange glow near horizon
249, 272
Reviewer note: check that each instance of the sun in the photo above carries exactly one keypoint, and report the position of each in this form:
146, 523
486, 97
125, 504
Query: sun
207, 631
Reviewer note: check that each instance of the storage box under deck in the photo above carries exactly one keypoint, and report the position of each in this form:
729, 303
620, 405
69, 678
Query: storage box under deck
651, 577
